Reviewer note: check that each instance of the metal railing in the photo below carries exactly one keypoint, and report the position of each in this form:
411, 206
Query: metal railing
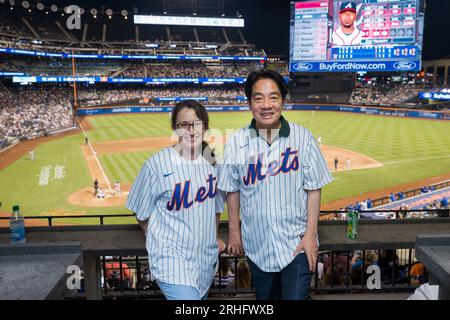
325, 215
129, 277
101, 217
121, 270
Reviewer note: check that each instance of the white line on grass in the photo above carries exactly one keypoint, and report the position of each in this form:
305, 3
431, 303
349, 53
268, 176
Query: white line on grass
95, 157
416, 159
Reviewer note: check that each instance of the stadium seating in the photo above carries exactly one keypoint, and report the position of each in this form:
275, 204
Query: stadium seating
384, 94
35, 31
216, 95
29, 113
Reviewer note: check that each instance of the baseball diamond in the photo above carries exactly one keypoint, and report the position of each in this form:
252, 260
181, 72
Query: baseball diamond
386, 153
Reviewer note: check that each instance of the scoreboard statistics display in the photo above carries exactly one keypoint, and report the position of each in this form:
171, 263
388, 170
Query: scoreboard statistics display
356, 36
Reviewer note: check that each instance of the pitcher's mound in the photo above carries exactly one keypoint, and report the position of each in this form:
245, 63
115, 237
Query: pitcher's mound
85, 198
348, 159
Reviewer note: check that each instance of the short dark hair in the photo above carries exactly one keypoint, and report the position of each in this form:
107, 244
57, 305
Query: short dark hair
200, 112
254, 76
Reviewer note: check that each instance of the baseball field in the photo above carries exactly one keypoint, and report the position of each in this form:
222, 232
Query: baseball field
386, 154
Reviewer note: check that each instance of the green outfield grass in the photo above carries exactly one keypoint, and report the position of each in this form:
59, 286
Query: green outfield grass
409, 149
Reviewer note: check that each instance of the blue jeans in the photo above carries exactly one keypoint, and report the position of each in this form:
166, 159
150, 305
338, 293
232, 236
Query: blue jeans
291, 283
180, 292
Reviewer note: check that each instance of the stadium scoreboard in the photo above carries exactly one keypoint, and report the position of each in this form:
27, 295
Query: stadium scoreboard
382, 35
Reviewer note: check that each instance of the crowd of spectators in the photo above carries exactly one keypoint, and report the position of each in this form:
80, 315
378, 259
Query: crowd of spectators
59, 67
342, 268
400, 94
63, 67
367, 95
134, 71
27, 114
177, 70
215, 95
128, 47
404, 210
232, 274
30, 112
5, 66
384, 94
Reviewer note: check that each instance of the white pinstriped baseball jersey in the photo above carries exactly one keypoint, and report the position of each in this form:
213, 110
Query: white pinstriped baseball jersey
341, 38
180, 199
273, 182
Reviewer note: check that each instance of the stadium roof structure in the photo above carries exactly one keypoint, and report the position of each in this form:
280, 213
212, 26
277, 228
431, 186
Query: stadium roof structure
111, 32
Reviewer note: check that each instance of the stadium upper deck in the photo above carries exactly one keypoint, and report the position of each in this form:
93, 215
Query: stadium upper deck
45, 30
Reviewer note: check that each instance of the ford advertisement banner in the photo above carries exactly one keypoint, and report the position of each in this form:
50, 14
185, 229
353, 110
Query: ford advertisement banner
360, 66
299, 107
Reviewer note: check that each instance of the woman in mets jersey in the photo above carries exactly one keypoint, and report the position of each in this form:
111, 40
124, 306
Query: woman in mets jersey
177, 204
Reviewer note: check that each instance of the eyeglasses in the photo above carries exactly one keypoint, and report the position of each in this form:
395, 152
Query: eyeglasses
186, 126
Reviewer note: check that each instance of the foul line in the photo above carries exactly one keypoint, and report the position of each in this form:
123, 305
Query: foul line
95, 157
416, 159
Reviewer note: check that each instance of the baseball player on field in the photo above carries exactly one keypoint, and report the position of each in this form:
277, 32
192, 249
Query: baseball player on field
273, 173
347, 34
117, 189
177, 203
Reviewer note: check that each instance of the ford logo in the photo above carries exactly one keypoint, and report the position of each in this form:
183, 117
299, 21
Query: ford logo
405, 65
428, 95
302, 66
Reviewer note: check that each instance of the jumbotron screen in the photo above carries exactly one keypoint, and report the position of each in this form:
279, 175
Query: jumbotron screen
356, 36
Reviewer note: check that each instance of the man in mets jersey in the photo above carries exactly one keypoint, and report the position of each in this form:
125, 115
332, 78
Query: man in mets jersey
347, 34
273, 173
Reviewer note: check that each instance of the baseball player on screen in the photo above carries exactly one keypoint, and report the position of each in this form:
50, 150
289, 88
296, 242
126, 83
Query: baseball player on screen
347, 34
176, 202
273, 172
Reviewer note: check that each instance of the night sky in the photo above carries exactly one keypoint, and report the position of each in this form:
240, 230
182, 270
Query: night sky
267, 21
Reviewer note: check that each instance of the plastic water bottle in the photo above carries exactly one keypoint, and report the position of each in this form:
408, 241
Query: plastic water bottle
352, 224
16, 227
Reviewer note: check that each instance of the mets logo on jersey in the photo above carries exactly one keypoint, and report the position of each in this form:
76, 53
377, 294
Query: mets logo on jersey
180, 198
288, 163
